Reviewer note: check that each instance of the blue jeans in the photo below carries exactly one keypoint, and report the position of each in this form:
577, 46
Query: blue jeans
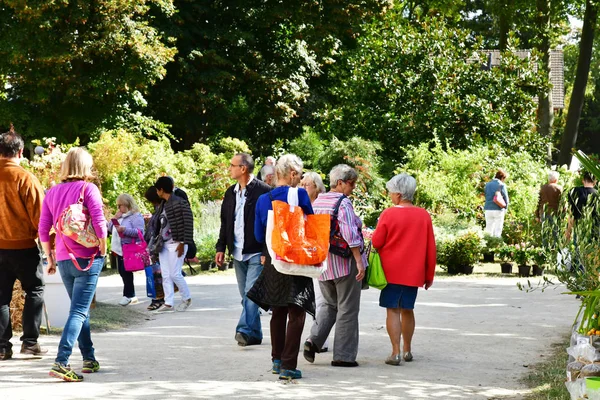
246, 273
81, 287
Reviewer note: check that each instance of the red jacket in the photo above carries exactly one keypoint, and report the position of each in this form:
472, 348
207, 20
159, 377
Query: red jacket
405, 242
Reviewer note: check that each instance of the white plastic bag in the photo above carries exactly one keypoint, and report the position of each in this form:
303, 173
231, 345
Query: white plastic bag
584, 352
311, 271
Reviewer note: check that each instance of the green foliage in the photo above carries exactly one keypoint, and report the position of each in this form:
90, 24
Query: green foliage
46, 166
492, 243
464, 250
453, 181
505, 253
129, 163
522, 253
70, 67
309, 147
245, 68
412, 82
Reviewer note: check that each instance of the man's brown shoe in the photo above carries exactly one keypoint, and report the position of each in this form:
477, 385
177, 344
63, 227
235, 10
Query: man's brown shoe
5, 354
35, 349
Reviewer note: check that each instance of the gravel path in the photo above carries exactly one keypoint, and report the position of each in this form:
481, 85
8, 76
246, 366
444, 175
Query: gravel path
474, 339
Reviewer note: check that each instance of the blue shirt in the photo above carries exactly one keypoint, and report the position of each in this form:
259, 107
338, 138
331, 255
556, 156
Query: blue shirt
263, 205
490, 190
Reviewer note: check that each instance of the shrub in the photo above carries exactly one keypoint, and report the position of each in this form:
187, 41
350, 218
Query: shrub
505, 253
454, 180
465, 250
492, 243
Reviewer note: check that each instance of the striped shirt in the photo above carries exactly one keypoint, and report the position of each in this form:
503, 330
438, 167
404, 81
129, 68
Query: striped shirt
350, 228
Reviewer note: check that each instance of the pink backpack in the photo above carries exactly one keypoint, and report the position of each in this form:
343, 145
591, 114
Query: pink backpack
75, 223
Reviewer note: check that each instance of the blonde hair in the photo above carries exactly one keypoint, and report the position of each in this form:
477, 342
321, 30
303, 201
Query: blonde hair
286, 164
128, 200
77, 166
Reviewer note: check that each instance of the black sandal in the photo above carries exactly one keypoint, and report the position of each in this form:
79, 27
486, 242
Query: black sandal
153, 306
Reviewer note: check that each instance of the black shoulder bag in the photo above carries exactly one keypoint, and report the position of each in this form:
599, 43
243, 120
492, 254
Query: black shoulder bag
337, 244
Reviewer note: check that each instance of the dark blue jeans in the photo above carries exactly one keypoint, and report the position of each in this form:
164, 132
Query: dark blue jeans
81, 287
26, 266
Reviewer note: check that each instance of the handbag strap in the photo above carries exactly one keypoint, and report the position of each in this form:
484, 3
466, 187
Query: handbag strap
82, 194
74, 256
336, 209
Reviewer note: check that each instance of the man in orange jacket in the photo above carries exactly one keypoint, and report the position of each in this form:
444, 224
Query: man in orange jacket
22, 195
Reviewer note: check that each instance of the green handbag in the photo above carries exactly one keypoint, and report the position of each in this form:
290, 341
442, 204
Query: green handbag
375, 275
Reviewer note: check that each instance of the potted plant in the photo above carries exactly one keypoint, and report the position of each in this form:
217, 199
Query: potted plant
505, 254
461, 254
540, 258
492, 244
522, 255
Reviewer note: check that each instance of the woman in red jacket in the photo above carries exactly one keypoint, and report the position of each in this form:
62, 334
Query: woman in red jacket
404, 240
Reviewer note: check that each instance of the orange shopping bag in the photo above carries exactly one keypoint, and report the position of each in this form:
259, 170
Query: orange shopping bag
298, 238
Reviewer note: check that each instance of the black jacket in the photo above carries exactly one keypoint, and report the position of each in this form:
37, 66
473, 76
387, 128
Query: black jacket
254, 190
181, 220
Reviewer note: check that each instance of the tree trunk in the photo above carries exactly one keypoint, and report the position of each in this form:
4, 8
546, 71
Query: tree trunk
545, 108
586, 44
505, 16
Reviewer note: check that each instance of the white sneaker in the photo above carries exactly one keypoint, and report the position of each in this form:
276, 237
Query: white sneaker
134, 300
183, 305
164, 308
125, 301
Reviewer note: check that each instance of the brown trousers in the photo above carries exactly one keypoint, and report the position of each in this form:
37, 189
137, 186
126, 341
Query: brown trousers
285, 340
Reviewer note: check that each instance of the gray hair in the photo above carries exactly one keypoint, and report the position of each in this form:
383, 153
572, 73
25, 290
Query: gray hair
247, 161
288, 163
342, 172
267, 170
404, 184
553, 176
316, 179
272, 159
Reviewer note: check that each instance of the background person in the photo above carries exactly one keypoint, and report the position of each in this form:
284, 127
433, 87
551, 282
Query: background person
153, 225
494, 214
341, 282
21, 196
290, 297
75, 175
130, 221
313, 184
268, 175
271, 161
405, 242
549, 197
177, 230
237, 236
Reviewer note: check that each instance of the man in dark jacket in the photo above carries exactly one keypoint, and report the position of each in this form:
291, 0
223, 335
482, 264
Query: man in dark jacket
237, 236
177, 231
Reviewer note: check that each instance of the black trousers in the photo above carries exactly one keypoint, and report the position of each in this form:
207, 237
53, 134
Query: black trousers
26, 266
128, 287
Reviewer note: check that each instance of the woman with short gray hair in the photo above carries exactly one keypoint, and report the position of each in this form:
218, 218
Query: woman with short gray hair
406, 245
340, 284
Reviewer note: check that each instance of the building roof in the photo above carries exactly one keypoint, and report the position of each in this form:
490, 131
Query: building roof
557, 72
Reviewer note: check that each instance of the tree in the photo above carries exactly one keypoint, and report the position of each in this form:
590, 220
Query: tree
244, 68
408, 83
69, 68
586, 46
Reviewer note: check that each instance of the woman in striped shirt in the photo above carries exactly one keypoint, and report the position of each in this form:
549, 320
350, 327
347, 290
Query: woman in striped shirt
341, 283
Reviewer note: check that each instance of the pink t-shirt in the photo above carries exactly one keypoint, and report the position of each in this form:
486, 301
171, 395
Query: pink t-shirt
60, 197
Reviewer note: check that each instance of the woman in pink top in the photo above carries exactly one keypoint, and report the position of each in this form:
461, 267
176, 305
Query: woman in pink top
72, 258
405, 242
